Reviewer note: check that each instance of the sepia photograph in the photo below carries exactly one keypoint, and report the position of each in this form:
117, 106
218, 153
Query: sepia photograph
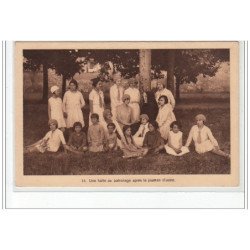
165, 111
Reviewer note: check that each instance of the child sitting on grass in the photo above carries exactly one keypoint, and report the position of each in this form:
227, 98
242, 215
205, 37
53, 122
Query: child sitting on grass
129, 148
77, 141
143, 129
174, 145
96, 135
50, 142
111, 138
203, 138
153, 141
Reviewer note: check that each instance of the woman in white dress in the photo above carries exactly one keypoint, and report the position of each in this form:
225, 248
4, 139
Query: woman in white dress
165, 116
96, 101
55, 108
116, 94
203, 138
73, 103
135, 98
175, 146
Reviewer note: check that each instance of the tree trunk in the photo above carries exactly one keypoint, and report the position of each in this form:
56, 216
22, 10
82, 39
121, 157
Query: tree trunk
177, 93
45, 82
63, 85
145, 69
170, 71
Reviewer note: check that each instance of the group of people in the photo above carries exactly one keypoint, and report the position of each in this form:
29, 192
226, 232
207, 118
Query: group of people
111, 129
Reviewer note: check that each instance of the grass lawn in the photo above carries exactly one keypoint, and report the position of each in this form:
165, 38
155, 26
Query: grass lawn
35, 127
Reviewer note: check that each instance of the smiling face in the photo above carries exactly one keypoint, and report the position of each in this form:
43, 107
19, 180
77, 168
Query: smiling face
99, 86
94, 120
78, 129
132, 84
118, 82
144, 121
161, 101
127, 100
57, 92
110, 129
52, 126
128, 132
151, 127
175, 128
72, 86
199, 122
159, 86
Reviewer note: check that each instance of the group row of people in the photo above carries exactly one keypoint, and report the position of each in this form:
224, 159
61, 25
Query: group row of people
112, 129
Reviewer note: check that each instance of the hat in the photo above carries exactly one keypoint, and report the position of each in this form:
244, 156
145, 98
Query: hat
125, 97
54, 88
53, 121
200, 117
144, 116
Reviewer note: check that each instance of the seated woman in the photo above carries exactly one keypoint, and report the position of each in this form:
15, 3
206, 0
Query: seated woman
141, 132
165, 116
175, 146
108, 117
153, 141
111, 138
50, 142
124, 112
129, 148
78, 140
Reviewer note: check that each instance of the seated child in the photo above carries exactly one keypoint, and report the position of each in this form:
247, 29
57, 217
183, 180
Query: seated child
174, 145
50, 142
153, 140
111, 138
77, 141
143, 129
96, 135
129, 148
203, 138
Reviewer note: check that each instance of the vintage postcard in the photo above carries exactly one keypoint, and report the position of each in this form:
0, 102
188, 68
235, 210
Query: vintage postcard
127, 114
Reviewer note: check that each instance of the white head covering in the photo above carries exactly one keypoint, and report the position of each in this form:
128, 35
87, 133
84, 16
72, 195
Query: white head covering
54, 88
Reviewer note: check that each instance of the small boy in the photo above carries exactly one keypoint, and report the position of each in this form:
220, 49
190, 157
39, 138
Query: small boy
111, 138
96, 135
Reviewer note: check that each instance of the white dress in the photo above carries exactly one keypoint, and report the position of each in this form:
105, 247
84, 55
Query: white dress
140, 134
73, 102
135, 97
116, 94
53, 141
56, 111
207, 141
175, 139
164, 118
98, 108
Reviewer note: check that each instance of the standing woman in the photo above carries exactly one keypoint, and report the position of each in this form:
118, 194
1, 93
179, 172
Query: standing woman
164, 91
96, 100
116, 94
55, 108
135, 98
165, 116
73, 103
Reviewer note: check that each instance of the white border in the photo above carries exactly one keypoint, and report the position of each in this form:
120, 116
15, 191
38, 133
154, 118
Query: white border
207, 197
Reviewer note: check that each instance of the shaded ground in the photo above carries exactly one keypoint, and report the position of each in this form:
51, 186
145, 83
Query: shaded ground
35, 127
